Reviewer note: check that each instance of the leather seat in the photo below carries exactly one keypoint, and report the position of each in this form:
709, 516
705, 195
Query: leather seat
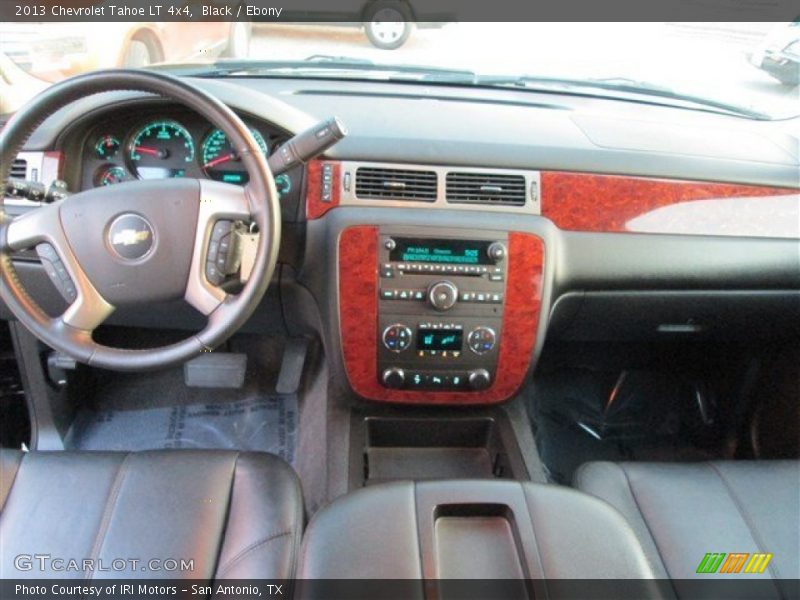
682, 511
235, 515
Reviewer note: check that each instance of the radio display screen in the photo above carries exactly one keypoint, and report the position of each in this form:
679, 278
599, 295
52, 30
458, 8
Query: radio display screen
439, 339
453, 252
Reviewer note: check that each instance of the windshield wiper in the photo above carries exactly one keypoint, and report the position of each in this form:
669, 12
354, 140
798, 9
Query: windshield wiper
619, 85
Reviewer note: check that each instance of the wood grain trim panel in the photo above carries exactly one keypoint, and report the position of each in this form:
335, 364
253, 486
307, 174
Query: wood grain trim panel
611, 203
315, 207
358, 320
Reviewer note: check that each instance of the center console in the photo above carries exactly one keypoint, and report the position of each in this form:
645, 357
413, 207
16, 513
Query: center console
440, 309
438, 315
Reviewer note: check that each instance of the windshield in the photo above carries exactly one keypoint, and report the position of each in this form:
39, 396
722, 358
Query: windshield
747, 69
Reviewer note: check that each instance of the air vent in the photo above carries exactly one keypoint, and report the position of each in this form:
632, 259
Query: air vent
19, 169
486, 188
396, 184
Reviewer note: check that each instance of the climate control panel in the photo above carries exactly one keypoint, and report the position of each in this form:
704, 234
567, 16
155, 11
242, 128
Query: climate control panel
440, 310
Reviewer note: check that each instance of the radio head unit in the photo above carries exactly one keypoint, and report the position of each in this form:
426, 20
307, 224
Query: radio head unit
441, 251
440, 309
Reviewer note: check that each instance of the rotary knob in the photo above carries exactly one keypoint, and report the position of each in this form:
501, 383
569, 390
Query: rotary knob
394, 378
397, 337
479, 379
442, 295
496, 251
481, 340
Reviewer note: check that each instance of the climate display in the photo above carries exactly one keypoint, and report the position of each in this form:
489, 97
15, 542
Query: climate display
454, 252
439, 339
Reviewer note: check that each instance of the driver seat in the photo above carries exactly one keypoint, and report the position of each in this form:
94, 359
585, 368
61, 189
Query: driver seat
227, 515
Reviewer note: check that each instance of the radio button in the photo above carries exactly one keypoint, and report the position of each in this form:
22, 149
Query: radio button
481, 340
442, 295
496, 251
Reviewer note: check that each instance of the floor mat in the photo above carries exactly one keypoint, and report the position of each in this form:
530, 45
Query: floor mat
582, 415
264, 423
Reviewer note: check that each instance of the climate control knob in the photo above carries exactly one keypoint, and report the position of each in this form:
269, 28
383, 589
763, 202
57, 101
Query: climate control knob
481, 340
394, 378
496, 251
442, 295
479, 379
397, 337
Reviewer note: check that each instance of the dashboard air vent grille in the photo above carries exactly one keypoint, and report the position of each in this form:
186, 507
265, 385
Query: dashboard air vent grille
19, 169
486, 188
396, 184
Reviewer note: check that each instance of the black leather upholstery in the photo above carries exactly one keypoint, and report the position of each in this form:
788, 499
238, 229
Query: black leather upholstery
236, 515
681, 511
470, 529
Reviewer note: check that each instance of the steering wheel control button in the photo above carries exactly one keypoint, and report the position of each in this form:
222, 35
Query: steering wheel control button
394, 378
131, 237
442, 295
397, 337
481, 340
219, 251
57, 272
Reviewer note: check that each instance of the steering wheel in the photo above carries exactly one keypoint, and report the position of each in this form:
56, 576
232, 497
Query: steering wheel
140, 241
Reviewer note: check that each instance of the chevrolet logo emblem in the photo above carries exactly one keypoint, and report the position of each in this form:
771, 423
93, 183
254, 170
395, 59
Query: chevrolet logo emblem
130, 237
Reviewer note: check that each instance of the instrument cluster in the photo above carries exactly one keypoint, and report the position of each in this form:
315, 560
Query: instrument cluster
168, 144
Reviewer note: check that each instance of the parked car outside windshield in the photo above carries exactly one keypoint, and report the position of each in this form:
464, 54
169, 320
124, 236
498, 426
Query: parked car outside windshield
743, 65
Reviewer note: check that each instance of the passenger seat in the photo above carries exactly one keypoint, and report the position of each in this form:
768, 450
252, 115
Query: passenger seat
680, 512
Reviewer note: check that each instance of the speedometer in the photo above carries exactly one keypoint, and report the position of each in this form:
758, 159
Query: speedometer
160, 149
221, 162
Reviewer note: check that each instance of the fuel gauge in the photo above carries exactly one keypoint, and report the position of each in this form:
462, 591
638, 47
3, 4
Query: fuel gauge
107, 147
110, 174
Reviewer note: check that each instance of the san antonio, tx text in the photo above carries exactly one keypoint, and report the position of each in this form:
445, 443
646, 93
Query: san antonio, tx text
141, 589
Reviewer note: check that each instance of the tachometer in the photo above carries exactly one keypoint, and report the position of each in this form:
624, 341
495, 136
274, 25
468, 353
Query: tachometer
220, 162
160, 149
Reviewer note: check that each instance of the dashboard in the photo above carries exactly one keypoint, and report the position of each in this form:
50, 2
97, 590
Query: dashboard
619, 221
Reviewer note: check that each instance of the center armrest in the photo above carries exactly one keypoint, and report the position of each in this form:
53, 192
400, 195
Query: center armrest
470, 529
